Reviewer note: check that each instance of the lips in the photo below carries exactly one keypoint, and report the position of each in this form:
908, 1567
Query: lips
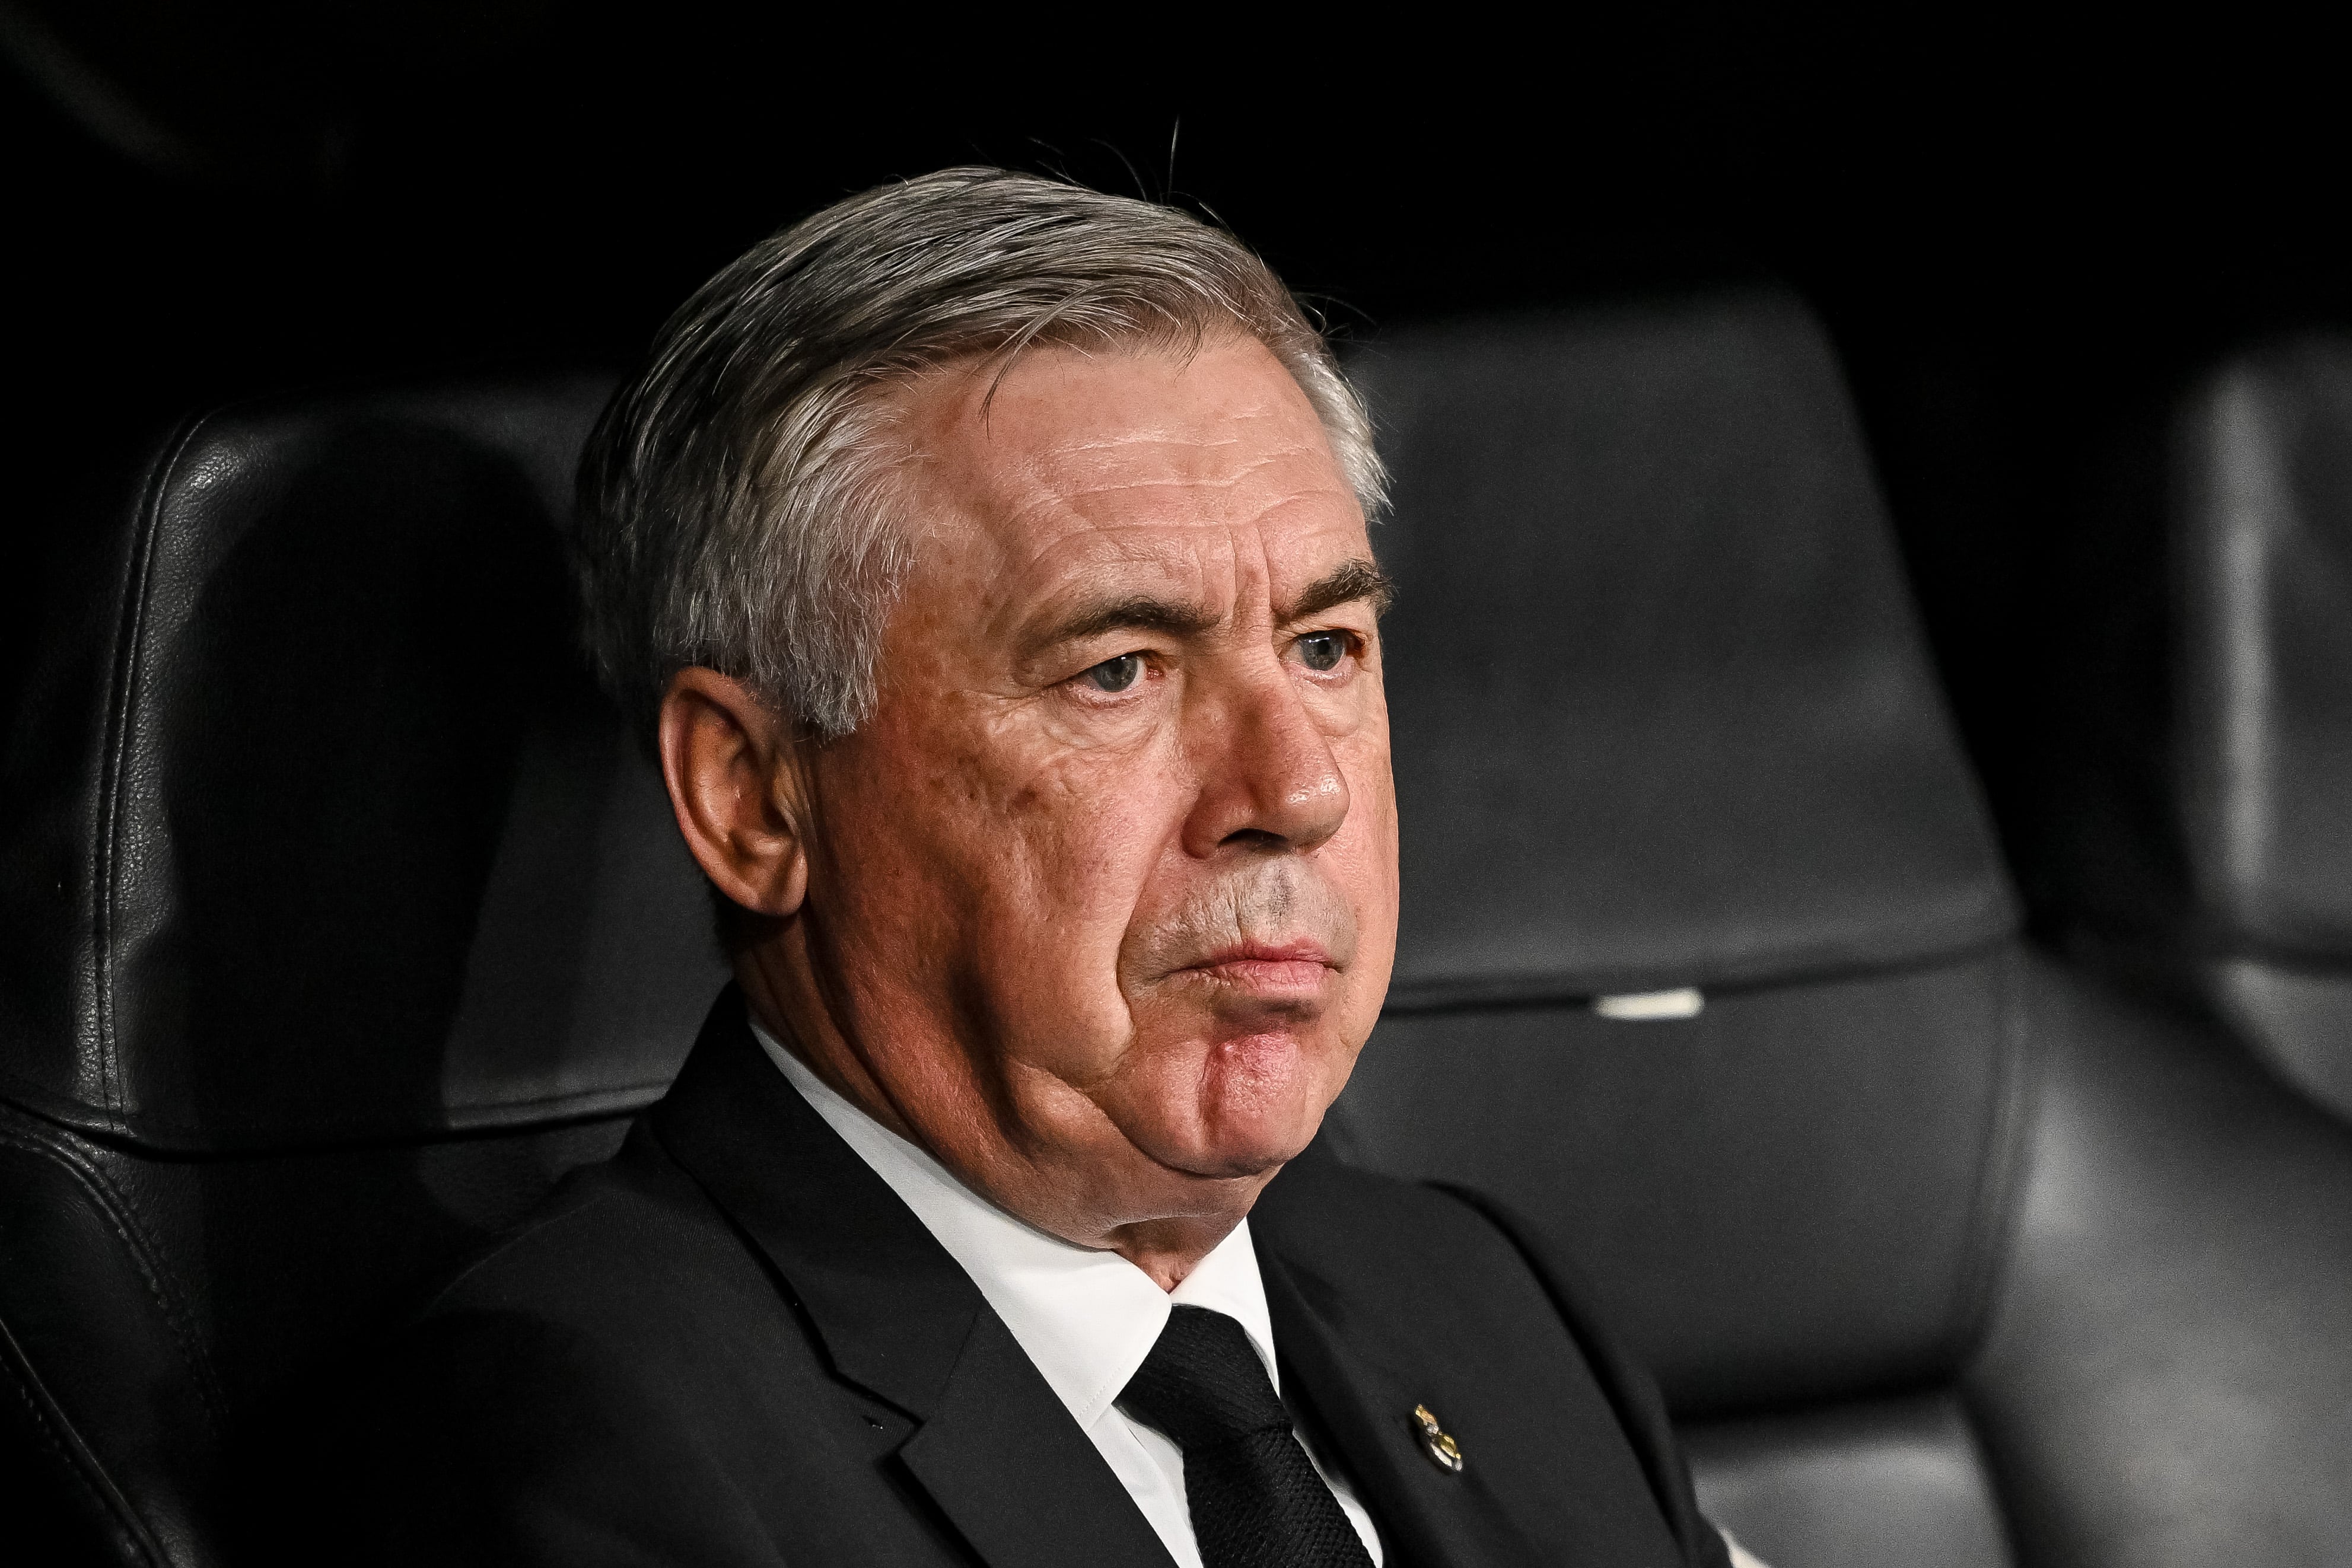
1267, 966
1268, 930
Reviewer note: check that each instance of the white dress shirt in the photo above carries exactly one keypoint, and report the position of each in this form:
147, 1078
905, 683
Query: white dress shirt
1087, 1319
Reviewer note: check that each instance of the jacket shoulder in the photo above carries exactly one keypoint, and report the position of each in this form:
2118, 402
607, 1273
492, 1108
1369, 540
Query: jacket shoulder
610, 1237
621, 1380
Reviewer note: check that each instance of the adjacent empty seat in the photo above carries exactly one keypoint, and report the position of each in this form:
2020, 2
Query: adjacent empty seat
339, 918
2258, 768
2169, 1370
1709, 975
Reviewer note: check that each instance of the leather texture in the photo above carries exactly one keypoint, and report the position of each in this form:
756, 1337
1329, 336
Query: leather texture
1664, 718
169, 1327
317, 849
734, 1345
2167, 1379
2264, 514
316, 813
1931, 1241
1939, 1256
1798, 1195
1667, 718
2296, 1018
2261, 755
1854, 1486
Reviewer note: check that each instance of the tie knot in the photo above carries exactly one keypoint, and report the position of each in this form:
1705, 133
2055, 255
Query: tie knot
1203, 1384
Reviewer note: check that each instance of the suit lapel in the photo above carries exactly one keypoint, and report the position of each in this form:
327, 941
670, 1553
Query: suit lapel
1358, 1387
995, 1452
994, 1447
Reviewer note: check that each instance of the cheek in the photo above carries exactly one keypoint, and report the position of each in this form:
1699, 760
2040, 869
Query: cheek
1071, 851
914, 815
1366, 845
1361, 862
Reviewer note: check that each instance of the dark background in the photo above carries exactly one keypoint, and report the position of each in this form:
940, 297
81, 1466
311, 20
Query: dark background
2026, 232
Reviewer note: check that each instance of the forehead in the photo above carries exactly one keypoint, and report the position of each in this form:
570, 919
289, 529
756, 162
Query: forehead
1209, 467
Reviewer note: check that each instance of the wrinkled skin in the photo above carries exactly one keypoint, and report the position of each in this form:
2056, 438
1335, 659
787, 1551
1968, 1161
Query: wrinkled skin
1100, 904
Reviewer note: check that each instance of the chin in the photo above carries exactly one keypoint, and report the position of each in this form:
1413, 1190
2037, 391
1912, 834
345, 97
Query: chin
1260, 1101
1237, 1159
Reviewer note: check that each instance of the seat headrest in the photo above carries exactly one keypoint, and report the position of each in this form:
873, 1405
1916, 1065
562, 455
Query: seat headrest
316, 829
1662, 715
2262, 744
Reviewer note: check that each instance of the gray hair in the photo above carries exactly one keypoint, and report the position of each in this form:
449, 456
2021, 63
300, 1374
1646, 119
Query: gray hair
738, 506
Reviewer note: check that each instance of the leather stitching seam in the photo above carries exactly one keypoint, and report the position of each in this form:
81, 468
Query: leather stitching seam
53, 1441
74, 1455
112, 1204
106, 852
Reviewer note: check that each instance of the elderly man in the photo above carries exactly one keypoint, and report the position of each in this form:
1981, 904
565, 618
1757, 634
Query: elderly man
986, 560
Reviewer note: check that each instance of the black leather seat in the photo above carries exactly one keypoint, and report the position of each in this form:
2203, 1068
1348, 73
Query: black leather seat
2241, 881
339, 919
1943, 1254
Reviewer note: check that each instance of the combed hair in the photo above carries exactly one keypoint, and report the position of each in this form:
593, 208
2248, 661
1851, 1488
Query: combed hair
738, 506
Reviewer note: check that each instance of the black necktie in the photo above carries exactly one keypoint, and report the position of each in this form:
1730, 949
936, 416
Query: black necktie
1255, 1498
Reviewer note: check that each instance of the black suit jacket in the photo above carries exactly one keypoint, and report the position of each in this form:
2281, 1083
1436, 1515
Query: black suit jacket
733, 1345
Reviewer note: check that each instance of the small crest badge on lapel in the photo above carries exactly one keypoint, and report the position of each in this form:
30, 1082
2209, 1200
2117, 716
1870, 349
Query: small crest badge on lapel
1442, 1450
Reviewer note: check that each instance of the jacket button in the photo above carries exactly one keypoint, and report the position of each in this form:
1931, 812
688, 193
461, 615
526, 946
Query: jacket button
1442, 1450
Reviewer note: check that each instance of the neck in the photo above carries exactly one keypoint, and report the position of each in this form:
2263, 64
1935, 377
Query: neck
1169, 1250
780, 986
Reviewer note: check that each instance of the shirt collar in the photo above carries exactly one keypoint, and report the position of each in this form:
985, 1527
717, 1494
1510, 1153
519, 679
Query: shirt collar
1086, 1318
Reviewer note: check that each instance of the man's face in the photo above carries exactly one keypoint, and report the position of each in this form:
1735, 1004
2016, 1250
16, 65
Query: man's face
1104, 896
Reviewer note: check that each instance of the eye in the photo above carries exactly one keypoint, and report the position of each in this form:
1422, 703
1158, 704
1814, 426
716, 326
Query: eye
1117, 675
1322, 650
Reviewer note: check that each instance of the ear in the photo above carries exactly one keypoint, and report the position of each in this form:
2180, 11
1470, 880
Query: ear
731, 768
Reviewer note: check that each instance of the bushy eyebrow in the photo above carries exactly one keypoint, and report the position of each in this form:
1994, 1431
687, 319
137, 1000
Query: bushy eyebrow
1345, 584
1137, 612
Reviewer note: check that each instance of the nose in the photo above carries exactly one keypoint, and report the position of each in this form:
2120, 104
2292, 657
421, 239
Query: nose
1268, 778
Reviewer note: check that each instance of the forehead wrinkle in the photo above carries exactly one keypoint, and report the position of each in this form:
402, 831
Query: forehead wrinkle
1040, 507
1195, 559
1122, 441
1165, 449
1083, 470
1097, 452
1177, 569
1055, 505
1158, 540
1154, 494
1196, 573
1224, 434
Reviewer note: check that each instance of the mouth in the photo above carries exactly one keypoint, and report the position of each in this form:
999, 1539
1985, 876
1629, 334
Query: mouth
1270, 970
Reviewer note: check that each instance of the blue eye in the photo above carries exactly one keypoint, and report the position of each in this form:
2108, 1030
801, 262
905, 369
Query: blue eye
1321, 650
1118, 674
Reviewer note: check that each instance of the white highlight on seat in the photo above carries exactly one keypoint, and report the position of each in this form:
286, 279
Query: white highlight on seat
1648, 1007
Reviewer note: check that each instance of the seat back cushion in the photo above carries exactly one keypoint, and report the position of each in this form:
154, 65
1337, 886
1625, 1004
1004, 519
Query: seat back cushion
2262, 753
339, 916
2168, 1377
1705, 969
1854, 1486
317, 828
176, 1334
